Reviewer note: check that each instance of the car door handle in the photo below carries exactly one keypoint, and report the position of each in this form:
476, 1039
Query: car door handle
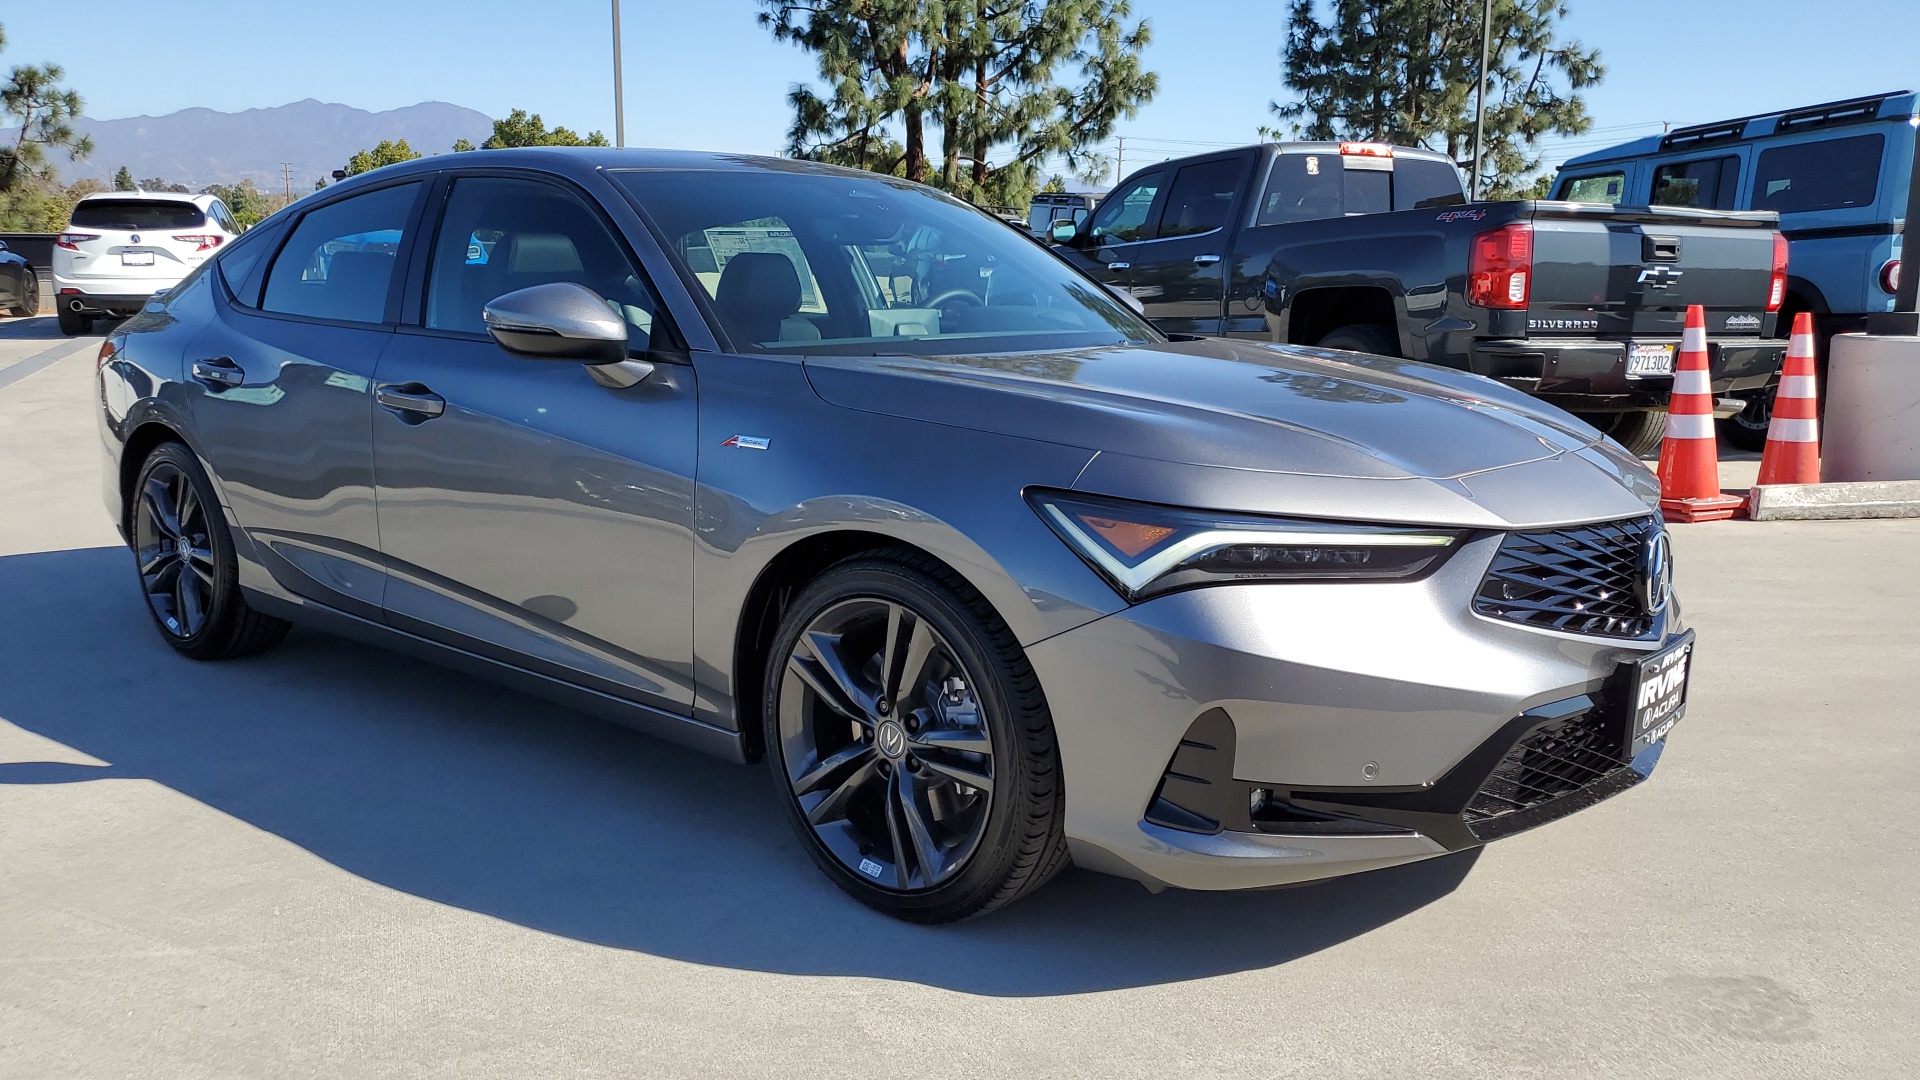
218, 372
1205, 260
1119, 265
418, 402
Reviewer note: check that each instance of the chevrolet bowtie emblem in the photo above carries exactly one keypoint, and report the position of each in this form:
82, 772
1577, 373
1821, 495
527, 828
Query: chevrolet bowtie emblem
1659, 277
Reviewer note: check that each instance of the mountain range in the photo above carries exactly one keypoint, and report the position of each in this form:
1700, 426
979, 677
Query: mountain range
197, 147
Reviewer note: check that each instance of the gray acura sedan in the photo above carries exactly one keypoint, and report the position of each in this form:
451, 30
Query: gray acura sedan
787, 462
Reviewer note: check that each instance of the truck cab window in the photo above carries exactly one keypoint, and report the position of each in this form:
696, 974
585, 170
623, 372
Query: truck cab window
1201, 197
1704, 184
1122, 218
1606, 188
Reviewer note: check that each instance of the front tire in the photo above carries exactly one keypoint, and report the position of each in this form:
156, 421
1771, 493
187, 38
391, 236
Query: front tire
1363, 338
910, 742
187, 568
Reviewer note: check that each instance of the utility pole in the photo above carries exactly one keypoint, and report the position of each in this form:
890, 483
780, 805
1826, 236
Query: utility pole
1480, 101
286, 175
619, 99
1120, 160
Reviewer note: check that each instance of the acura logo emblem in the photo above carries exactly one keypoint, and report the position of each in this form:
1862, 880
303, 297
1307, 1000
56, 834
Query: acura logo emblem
892, 739
1656, 573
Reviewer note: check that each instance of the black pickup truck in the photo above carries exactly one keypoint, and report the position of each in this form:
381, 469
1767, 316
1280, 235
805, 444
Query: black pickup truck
1374, 248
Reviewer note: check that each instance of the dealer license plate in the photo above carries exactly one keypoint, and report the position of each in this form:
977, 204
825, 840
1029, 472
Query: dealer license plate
1645, 360
136, 258
1659, 695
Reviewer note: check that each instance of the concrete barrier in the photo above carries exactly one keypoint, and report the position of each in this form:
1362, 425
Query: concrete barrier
1834, 502
1871, 430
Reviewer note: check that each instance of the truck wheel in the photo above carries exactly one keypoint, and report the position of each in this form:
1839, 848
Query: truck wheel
1362, 337
1640, 432
1747, 429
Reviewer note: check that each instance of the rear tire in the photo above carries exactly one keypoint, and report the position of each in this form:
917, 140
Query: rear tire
930, 791
29, 304
73, 323
185, 562
1747, 430
1362, 338
1640, 432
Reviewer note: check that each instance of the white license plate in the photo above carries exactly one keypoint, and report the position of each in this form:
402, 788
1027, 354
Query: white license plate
136, 258
1644, 360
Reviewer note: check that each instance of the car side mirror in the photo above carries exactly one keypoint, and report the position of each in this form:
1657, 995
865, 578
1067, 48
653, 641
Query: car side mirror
1064, 231
563, 320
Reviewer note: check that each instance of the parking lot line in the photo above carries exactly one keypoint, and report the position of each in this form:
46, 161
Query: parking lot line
42, 360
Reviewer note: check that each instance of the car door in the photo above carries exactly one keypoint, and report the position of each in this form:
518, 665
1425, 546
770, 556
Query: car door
1178, 275
1123, 220
528, 513
280, 390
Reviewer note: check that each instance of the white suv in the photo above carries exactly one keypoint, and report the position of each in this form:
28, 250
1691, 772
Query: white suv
124, 246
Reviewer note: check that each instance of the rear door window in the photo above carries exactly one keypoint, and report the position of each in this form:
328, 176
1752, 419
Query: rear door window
339, 261
1704, 184
1122, 218
1302, 187
1201, 197
1827, 175
1608, 188
136, 214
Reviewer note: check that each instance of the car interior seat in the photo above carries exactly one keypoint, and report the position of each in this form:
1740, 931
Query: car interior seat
356, 287
759, 297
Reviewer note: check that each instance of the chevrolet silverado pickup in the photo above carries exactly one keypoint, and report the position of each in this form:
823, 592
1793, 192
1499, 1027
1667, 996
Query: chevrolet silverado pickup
1374, 248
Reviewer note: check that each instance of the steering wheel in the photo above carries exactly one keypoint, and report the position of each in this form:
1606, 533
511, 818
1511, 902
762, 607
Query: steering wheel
954, 300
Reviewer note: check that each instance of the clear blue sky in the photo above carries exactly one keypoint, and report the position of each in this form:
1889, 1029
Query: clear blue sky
703, 74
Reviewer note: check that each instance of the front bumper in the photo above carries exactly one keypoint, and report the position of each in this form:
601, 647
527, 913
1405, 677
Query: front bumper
1386, 703
1591, 376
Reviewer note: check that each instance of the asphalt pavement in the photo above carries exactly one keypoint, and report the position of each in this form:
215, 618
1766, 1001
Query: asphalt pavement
331, 861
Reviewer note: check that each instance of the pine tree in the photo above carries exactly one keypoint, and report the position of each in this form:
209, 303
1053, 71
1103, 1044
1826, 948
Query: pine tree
996, 78
123, 179
521, 129
1405, 71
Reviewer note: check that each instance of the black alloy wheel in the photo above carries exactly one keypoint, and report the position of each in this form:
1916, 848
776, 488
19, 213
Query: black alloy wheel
188, 571
922, 778
1747, 429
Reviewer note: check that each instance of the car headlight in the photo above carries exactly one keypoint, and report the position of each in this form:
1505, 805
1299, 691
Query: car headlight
1144, 550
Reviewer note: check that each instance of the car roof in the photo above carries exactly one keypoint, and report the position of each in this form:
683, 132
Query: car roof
1893, 105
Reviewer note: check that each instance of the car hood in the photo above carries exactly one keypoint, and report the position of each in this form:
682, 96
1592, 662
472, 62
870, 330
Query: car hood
1300, 417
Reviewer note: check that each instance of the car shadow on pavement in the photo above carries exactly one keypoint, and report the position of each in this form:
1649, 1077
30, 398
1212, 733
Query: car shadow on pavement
31, 328
463, 793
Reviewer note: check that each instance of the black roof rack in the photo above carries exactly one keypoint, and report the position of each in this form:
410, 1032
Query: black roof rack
1847, 111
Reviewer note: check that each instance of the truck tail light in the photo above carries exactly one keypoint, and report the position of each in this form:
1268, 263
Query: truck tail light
1366, 149
72, 240
1890, 277
1777, 285
210, 240
1500, 271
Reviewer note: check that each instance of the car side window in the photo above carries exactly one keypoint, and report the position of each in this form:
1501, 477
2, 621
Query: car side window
1201, 197
501, 234
339, 261
240, 260
1704, 184
1606, 188
1122, 218
1830, 174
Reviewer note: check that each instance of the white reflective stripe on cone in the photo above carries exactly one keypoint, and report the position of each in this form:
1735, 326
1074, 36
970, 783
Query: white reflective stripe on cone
1691, 382
1787, 429
1693, 339
1795, 386
1689, 425
1800, 346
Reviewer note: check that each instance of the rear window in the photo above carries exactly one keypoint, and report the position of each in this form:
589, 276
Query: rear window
1706, 184
137, 214
1423, 182
1826, 175
1307, 187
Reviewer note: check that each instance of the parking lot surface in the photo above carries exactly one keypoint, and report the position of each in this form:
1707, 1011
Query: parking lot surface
332, 861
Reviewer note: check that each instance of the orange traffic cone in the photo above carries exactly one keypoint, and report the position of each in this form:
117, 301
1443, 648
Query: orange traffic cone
1689, 456
1792, 455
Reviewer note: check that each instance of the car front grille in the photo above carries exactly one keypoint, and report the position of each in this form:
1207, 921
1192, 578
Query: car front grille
1559, 767
1582, 580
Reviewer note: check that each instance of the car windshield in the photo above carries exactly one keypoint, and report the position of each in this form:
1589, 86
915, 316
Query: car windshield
827, 263
137, 214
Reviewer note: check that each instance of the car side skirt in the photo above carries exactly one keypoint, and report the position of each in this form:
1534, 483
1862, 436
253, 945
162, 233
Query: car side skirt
683, 730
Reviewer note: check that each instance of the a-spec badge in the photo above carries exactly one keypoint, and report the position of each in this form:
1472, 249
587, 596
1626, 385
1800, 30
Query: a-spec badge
747, 442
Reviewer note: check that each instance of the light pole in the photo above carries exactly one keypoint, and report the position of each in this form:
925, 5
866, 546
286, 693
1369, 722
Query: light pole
619, 99
1479, 101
